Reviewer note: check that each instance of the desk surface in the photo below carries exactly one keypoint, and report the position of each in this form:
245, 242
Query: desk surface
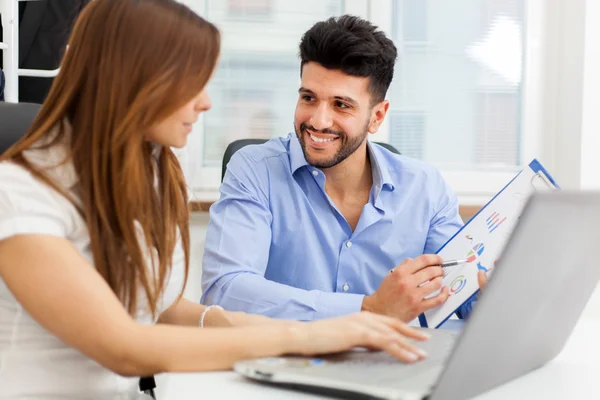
573, 374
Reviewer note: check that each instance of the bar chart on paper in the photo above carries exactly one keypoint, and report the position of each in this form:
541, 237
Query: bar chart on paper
494, 221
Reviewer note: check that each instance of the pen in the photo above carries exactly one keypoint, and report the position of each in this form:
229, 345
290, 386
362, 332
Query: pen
452, 263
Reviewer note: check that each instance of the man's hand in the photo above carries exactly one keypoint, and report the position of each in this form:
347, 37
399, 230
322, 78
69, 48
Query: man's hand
402, 292
482, 279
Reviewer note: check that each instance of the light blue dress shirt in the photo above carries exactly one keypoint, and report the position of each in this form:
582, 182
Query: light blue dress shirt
277, 245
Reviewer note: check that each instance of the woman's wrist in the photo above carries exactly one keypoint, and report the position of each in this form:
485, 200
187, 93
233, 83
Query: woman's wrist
218, 317
214, 316
244, 319
295, 337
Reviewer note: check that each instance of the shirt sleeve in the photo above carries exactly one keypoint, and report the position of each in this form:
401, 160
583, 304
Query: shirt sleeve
236, 254
465, 310
28, 206
446, 220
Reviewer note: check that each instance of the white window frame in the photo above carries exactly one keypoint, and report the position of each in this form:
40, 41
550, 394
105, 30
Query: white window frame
550, 120
9, 50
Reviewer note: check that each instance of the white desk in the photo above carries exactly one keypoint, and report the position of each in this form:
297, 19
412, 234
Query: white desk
574, 374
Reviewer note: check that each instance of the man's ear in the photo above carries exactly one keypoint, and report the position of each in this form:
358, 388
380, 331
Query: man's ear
378, 115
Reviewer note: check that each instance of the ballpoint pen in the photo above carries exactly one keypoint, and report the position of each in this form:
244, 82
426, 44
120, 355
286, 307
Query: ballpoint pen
447, 264
452, 263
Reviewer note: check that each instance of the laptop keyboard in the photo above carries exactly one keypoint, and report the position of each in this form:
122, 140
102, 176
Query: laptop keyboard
367, 367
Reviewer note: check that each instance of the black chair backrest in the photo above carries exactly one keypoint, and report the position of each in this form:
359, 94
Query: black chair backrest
238, 144
388, 147
2, 83
15, 119
235, 146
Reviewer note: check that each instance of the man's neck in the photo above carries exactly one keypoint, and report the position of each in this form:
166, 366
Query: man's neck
350, 177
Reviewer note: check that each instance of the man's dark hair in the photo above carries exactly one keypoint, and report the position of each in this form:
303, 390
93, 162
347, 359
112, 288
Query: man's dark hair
354, 46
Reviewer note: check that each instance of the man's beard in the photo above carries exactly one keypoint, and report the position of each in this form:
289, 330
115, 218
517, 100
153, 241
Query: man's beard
349, 145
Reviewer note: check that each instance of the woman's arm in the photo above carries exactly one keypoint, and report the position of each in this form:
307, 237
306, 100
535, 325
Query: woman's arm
68, 297
186, 312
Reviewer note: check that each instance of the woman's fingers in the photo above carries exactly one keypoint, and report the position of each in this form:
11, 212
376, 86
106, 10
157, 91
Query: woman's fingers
390, 335
404, 354
361, 330
405, 329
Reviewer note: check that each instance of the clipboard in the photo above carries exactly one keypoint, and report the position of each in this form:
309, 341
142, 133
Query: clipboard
482, 239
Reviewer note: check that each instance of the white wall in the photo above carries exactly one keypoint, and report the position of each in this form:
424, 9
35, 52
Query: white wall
590, 126
590, 145
198, 225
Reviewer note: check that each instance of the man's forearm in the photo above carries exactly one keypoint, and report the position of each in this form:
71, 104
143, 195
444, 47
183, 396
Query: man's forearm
256, 295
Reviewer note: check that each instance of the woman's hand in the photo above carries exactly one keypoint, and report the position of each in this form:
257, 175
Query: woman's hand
363, 329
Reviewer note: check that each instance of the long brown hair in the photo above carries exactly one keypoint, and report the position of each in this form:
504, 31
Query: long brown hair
129, 65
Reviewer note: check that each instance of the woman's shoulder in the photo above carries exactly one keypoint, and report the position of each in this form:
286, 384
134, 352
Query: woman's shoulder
28, 205
15, 178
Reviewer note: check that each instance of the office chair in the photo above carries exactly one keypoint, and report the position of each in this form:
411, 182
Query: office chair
238, 144
16, 119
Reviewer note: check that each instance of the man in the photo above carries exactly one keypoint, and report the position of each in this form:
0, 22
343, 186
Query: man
323, 222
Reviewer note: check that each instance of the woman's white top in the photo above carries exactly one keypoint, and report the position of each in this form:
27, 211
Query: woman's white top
34, 364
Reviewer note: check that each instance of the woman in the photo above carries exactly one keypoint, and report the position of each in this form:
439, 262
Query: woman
94, 241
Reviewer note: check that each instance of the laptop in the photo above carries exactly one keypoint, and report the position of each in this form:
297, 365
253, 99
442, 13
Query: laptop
541, 284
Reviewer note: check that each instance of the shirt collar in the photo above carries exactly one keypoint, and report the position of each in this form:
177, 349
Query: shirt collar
381, 168
297, 159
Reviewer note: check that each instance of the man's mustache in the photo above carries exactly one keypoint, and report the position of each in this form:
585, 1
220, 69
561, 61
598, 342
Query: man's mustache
304, 127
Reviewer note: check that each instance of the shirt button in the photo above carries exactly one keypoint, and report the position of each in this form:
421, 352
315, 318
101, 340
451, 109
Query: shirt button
315, 172
345, 287
348, 244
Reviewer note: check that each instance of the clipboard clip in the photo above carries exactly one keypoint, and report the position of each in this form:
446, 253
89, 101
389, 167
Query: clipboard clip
540, 181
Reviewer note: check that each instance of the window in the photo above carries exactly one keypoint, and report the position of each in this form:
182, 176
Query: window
410, 23
407, 133
254, 118
497, 130
456, 100
254, 89
466, 81
245, 8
